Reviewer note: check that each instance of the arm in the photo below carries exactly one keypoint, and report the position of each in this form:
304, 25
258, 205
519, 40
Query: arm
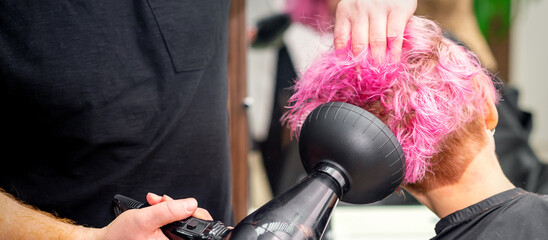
369, 23
20, 221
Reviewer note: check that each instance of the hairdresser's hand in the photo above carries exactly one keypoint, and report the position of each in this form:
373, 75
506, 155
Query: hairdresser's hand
154, 199
370, 23
145, 223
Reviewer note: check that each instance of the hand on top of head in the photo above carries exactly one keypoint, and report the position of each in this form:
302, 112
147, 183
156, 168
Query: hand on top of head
374, 26
366, 25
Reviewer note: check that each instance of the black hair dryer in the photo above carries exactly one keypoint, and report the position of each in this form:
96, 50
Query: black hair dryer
349, 154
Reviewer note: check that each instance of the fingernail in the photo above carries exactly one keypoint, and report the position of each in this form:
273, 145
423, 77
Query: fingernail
192, 204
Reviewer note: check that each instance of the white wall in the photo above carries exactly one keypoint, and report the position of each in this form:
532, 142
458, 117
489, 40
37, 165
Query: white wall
529, 67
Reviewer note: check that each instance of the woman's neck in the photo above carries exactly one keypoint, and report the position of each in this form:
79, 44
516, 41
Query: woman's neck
482, 179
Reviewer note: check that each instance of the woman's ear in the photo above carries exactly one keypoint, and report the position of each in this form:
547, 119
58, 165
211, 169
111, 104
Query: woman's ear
491, 115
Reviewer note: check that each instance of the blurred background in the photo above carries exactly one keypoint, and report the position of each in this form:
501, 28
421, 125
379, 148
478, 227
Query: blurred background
507, 35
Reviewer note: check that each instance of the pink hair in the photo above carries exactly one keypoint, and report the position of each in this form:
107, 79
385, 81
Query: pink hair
435, 89
313, 13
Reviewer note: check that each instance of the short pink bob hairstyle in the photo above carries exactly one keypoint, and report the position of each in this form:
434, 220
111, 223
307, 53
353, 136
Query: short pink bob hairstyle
434, 90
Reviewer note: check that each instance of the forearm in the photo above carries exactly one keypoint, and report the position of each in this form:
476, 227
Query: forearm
20, 221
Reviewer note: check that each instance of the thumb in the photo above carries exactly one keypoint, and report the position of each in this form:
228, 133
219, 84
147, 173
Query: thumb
167, 212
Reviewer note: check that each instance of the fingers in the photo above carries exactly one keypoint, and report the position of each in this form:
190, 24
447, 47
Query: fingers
394, 32
397, 19
377, 25
377, 37
202, 214
154, 199
166, 212
342, 28
360, 35
145, 223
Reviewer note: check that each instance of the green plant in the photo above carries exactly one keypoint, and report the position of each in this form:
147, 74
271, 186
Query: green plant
494, 17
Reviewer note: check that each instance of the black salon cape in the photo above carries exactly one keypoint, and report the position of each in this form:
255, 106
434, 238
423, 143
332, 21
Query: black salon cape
102, 97
513, 214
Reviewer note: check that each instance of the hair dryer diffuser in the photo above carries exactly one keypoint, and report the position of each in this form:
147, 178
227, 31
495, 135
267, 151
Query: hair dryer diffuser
364, 147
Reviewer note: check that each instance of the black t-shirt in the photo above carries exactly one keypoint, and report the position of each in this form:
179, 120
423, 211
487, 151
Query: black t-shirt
114, 96
513, 214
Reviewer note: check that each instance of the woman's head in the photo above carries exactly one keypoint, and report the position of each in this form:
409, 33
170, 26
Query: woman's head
430, 99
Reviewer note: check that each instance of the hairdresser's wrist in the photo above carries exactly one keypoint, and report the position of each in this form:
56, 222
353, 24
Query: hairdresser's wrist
86, 233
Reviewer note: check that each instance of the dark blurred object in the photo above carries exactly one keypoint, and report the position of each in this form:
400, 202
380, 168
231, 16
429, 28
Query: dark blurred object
517, 159
543, 180
271, 29
279, 153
